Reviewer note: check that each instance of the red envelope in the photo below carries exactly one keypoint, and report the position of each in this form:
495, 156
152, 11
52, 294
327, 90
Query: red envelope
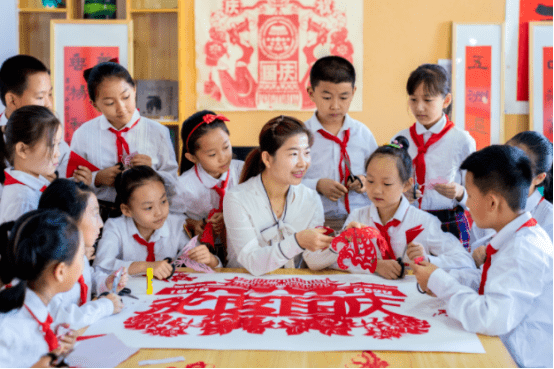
75, 161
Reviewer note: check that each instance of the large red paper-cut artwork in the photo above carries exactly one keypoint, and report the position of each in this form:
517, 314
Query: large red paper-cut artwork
478, 87
254, 306
77, 106
547, 92
358, 247
258, 53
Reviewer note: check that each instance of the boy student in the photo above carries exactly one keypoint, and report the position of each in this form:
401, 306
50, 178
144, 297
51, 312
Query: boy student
341, 146
511, 296
25, 80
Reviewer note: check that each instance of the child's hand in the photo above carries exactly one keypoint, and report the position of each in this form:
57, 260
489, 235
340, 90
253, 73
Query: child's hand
333, 190
89, 252
106, 177
313, 239
355, 225
388, 269
43, 362
202, 254
122, 281
415, 250
140, 159
116, 301
196, 225
356, 186
66, 342
480, 255
83, 174
217, 222
422, 272
451, 190
410, 195
162, 269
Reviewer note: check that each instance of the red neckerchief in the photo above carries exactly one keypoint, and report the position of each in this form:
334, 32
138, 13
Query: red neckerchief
491, 251
149, 247
11, 180
419, 160
84, 290
49, 335
388, 253
343, 175
120, 140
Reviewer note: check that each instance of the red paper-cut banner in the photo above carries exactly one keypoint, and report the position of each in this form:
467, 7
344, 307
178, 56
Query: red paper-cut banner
529, 11
547, 93
478, 94
77, 106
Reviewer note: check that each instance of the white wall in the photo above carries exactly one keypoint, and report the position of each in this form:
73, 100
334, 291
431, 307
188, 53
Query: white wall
8, 30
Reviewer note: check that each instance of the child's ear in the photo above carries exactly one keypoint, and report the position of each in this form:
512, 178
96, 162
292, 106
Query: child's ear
354, 88
266, 159
538, 179
447, 100
60, 272
191, 158
310, 91
21, 150
125, 210
408, 184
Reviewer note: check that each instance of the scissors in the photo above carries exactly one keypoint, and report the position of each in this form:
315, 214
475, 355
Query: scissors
127, 292
352, 178
170, 261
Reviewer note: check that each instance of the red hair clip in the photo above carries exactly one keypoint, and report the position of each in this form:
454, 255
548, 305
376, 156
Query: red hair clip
209, 118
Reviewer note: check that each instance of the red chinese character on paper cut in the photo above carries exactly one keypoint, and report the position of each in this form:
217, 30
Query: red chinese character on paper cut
441, 312
231, 7
287, 72
324, 7
394, 326
368, 359
103, 58
182, 277
268, 71
76, 62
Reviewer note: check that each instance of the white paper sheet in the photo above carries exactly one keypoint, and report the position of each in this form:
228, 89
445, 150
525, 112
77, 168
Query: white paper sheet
101, 352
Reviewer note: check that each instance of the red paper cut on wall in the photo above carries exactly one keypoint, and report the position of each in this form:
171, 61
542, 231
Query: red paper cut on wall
253, 306
358, 247
368, 359
77, 107
478, 94
547, 92
529, 11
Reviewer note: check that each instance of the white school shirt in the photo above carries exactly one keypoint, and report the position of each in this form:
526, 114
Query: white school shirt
443, 159
117, 248
18, 199
517, 300
22, 341
95, 143
443, 249
197, 198
64, 307
256, 239
326, 157
539, 208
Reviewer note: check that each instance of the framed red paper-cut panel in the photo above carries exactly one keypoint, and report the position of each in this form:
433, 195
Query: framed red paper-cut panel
540, 78
75, 47
477, 81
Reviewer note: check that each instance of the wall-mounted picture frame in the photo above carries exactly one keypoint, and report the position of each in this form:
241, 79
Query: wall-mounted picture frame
76, 45
175, 135
478, 81
540, 78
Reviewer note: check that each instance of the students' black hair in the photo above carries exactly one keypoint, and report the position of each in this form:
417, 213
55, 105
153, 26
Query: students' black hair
28, 124
96, 75
435, 82
14, 74
403, 159
541, 158
36, 240
192, 146
273, 135
334, 69
503, 169
66, 195
128, 181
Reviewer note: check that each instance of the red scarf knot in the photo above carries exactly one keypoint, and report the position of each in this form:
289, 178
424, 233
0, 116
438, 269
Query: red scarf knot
120, 141
149, 247
49, 335
388, 253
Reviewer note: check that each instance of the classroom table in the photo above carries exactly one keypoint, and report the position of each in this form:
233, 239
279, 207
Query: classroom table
496, 353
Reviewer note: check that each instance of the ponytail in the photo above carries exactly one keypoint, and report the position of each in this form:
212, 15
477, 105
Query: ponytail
548, 185
253, 165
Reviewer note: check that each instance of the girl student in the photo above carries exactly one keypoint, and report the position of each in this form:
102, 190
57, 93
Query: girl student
437, 148
539, 150
120, 136
33, 135
44, 252
146, 235
207, 172
271, 217
75, 306
389, 175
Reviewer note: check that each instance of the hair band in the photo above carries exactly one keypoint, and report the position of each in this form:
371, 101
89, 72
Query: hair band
395, 144
206, 119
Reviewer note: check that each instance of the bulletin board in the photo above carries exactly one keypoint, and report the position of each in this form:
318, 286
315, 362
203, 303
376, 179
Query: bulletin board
76, 45
478, 81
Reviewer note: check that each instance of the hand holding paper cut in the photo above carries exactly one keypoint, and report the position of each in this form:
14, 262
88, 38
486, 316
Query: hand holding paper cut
184, 261
75, 161
358, 247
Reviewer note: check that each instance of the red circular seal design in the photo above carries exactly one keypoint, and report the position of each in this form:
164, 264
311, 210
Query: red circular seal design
278, 38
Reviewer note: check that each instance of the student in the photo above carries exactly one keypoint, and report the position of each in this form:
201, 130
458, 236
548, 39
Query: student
271, 217
207, 172
146, 234
389, 175
33, 135
511, 296
44, 252
25, 80
120, 131
341, 144
75, 306
539, 151
437, 148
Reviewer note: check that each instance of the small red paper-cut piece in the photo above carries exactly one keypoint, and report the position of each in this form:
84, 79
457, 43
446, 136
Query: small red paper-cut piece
182, 277
358, 247
394, 326
412, 233
368, 359
441, 312
200, 364
75, 160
